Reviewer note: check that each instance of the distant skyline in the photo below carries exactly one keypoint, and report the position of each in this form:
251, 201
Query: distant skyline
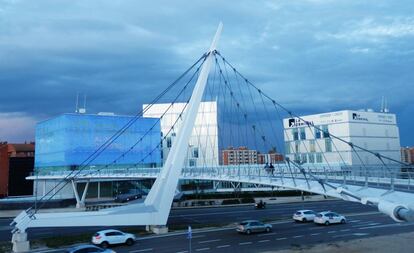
312, 56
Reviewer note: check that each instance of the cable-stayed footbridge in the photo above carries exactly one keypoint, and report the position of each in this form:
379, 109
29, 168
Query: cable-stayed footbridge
251, 118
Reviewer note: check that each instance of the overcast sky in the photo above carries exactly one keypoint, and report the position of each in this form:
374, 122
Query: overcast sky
311, 55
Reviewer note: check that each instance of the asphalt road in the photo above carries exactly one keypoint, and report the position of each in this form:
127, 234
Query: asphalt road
201, 216
363, 221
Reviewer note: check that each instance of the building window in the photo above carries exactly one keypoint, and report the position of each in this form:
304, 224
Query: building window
302, 134
319, 158
169, 142
295, 134
297, 143
325, 131
311, 158
328, 145
296, 158
304, 158
287, 147
312, 146
192, 162
317, 133
195, 152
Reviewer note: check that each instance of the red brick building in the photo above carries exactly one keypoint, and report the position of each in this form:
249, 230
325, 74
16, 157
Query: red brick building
407, 155
16, 163
240, 155
271, 157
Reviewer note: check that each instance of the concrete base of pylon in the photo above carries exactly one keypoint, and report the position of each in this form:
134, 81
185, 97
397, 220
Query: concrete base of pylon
80, 205
157, 229
20, 242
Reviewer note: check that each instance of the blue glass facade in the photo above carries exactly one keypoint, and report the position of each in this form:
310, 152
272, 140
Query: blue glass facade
67, 140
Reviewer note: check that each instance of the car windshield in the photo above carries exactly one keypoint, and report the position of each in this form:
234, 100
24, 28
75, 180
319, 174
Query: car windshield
298, 213
96, 234
319, 215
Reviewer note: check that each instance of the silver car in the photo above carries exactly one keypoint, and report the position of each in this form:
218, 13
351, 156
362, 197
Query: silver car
253, 226
88, 249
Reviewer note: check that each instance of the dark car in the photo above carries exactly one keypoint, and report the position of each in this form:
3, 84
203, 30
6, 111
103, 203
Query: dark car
88, 249
260, 205
125, 197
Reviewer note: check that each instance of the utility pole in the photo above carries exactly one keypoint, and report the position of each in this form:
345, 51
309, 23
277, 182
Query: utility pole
189, 236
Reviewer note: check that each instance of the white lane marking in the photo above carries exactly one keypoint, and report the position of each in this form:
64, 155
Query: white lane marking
223, 246
374, 224
388, 225
198, 236
342, 235
141, 250
316, 228
245, 243
267, 234
345, 230
215, 240
360, 234
297, 236
264, 241
352, 221
184, 251
315, 234
202, 249
49, 250
331, 232
281, 238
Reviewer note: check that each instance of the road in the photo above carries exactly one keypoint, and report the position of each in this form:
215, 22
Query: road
364, 221
202, 216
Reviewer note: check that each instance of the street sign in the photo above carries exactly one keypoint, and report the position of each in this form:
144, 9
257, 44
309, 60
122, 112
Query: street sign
189, 236
189, 233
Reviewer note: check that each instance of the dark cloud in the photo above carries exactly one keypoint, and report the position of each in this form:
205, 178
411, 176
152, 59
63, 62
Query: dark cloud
311, 55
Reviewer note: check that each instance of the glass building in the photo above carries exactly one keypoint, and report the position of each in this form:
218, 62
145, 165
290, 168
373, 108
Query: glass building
66, 141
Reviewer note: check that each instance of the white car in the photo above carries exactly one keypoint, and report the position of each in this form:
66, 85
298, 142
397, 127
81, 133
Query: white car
304, 215
111, 236
328, 218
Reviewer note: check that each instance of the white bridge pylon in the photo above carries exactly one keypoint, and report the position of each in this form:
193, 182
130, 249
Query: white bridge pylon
157, 205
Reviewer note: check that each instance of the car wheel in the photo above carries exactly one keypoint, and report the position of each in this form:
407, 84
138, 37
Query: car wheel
104, 245
129, 242
248, 232
327, 223
343, 221
304, 220
267, 230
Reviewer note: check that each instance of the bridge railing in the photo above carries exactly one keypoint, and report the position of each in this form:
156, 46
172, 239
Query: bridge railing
370, 176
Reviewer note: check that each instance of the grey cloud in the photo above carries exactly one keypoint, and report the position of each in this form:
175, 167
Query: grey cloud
312, 56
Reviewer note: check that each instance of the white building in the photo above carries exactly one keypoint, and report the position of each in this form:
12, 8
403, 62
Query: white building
377, 132
203, 144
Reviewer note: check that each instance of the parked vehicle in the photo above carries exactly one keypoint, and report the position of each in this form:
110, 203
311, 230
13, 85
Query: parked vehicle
253, 226
125, 197
304, 215
328, 218
88, 249
260, 205
111, 236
